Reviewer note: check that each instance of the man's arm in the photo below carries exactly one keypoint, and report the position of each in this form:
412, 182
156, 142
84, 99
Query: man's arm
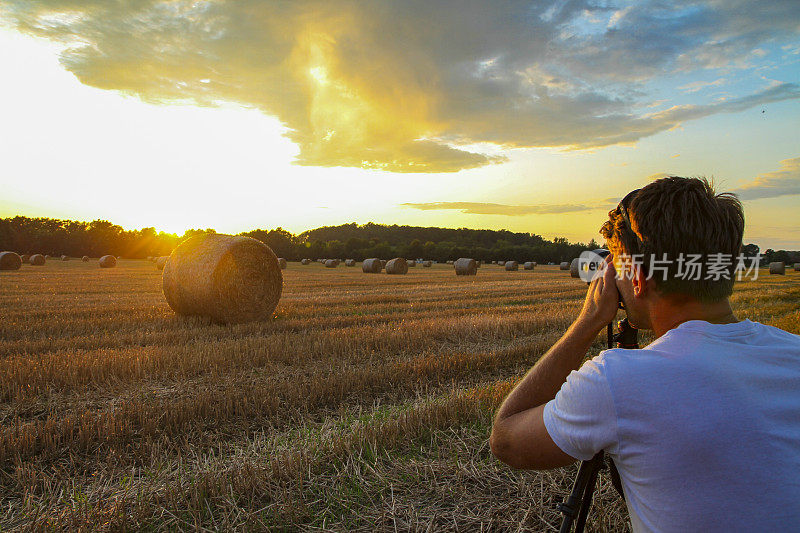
519, 437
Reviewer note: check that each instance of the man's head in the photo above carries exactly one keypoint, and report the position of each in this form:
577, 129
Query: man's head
677, 219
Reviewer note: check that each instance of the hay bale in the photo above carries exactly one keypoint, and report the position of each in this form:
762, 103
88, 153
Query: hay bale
305, 262
337, 261
465, 266
48, 256
383, 263
161, 262
411, 263
528, 265
85, 258
228, 279
478, 262
450, 262
350, 262
10, 261
64, 258
37, 260
777, 267
371, 266
398, 265
575, 268
427, 264
331, 263
26, 258
564, 266
797, 267
512, 266
282, 263
108, 261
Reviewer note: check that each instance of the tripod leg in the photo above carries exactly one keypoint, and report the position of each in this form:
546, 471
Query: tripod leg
576, 504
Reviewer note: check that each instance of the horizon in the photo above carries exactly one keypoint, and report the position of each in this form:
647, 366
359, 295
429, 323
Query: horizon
532, 119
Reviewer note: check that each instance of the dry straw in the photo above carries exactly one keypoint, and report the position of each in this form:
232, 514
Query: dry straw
383, 263
228, 279
778, 267
465, 266
426, 264
85, 258
331, 263
305, 262
10, 261
411, 263
108, 261
64, 258
161, 261
25, 258
398, 265
350, 262
564, 266
371, 266
575, 268
512, 265
528, 265
282, 263
37, 260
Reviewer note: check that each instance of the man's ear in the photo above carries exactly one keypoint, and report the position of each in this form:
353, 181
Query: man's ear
641, 285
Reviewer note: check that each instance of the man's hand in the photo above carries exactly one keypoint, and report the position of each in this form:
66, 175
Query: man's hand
602, 298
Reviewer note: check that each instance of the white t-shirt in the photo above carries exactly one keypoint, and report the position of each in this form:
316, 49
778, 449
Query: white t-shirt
703, 425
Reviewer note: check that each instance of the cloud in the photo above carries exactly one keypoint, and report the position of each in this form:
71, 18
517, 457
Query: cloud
783, 182
481, 208
695, 86
412, 86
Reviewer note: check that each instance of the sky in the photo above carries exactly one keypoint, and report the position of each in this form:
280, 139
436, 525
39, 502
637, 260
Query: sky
529, 116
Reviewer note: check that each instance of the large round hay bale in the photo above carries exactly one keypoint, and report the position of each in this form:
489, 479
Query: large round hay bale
47, 256
228, 279
282, 263
10, 261
450, 262
26, 258
427, 264
108, 261
305, 262
465, 266
64, 258
411, 263
398, 265
161, 262
564, 265
528, 265
331, 263
777, 267
350, 262
383, 264
37, 260
85, 258
511, 266
574, 268
371, 266
797, 267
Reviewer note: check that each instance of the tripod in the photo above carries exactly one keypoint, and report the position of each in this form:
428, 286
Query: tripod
576, 508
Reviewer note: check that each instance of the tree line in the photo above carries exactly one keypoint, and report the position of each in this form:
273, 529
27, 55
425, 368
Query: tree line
346, 241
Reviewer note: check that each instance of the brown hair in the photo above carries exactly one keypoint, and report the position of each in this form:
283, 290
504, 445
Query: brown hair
678, 217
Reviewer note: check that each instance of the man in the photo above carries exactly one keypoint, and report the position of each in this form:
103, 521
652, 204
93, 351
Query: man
704, 423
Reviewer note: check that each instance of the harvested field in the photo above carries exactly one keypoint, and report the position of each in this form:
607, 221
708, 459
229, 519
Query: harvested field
364, 405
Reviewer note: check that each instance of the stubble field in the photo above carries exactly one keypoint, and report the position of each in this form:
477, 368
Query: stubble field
364, 405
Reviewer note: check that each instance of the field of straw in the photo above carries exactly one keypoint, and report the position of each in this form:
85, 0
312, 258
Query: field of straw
364, 405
